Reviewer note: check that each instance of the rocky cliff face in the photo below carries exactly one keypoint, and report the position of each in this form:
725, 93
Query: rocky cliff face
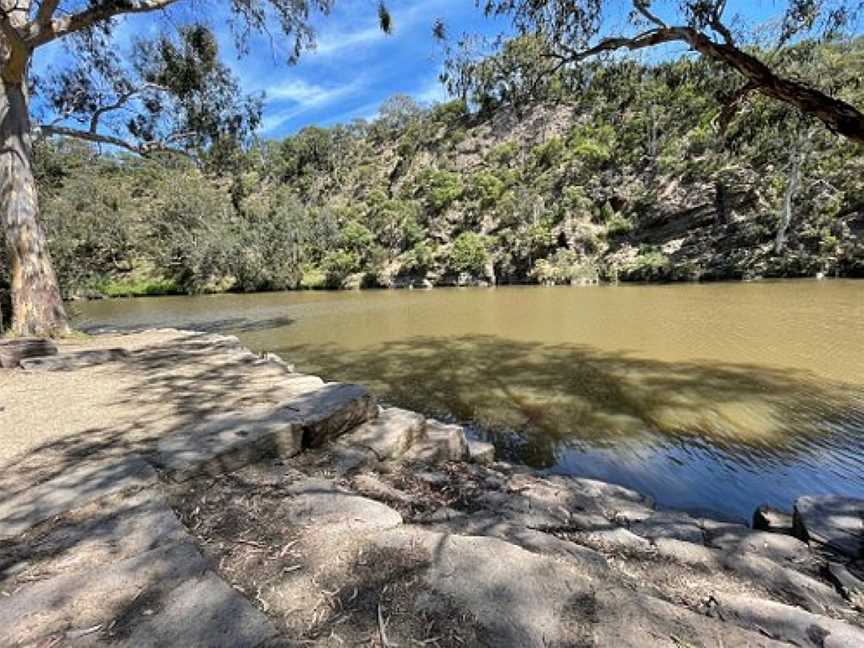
566, 195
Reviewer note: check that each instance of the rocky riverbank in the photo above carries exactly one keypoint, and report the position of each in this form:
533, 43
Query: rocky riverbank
173, 488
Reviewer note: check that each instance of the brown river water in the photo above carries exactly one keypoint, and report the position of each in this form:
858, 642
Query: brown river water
712, 398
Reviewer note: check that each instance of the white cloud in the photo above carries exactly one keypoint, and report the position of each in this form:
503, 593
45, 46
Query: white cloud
331, 43
434, 92
304, 96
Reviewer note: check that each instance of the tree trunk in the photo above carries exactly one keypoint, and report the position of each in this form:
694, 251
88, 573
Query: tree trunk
788, 197
37, 308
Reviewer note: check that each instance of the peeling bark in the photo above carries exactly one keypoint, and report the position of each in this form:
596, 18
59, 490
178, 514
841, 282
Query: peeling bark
37, 307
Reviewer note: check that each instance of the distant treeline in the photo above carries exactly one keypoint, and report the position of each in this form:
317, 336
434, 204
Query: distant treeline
623, 171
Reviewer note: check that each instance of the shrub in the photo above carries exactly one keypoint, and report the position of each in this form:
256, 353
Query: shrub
549, 153
440, 188
565, 267
616, 223
486, 189
420, 258
338, 265
470, 253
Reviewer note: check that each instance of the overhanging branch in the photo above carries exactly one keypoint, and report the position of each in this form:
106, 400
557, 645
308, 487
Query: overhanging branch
41, 33
144, 149
840, 117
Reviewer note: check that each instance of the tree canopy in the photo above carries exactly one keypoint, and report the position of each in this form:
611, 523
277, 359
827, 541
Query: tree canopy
571, 32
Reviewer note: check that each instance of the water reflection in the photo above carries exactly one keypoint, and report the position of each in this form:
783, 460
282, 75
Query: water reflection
699, 435
713, 397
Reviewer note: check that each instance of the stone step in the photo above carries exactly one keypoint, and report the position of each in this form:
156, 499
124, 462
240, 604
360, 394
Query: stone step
389, 435
233, 441
441, 442
72, 488
167, 596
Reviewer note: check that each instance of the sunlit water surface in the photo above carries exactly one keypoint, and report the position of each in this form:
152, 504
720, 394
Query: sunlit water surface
713, 398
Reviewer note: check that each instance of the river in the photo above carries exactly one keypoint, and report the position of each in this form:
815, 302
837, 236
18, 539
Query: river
709, 397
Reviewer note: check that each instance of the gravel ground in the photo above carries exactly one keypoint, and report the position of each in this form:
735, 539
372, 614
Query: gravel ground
170, 378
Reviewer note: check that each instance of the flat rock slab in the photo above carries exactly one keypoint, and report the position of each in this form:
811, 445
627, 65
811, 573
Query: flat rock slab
789, 624
231, 442
778, 547
162, 597
320, 503
389, 435
113, 528
12, 352
561, 502
76, 360
72, 488
781, 581
527, 600
669, 524
834, 521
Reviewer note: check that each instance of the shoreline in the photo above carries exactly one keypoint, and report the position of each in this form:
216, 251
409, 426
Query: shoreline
285, 486
599, 284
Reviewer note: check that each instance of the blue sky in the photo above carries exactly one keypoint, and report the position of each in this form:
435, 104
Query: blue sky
355, 66
353, 69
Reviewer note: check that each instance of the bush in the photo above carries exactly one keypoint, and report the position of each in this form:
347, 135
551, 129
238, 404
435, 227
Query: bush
565, 267
440, 188
470, 254
616, 223
420, 258
486, 188
549, 153
338, 266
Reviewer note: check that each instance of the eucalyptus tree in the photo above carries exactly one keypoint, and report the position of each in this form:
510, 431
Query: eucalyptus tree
165, 95
574, 31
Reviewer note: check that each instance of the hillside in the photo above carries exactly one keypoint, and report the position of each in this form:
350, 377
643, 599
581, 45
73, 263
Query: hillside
626, 173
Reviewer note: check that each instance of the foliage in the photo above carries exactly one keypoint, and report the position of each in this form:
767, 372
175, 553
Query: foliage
440, 188
633, 155
470, 254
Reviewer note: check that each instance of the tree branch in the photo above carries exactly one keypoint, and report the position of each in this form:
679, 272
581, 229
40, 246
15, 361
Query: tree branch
16, 53
838, 116
39, 34
122, 100
46, 11
145, 150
